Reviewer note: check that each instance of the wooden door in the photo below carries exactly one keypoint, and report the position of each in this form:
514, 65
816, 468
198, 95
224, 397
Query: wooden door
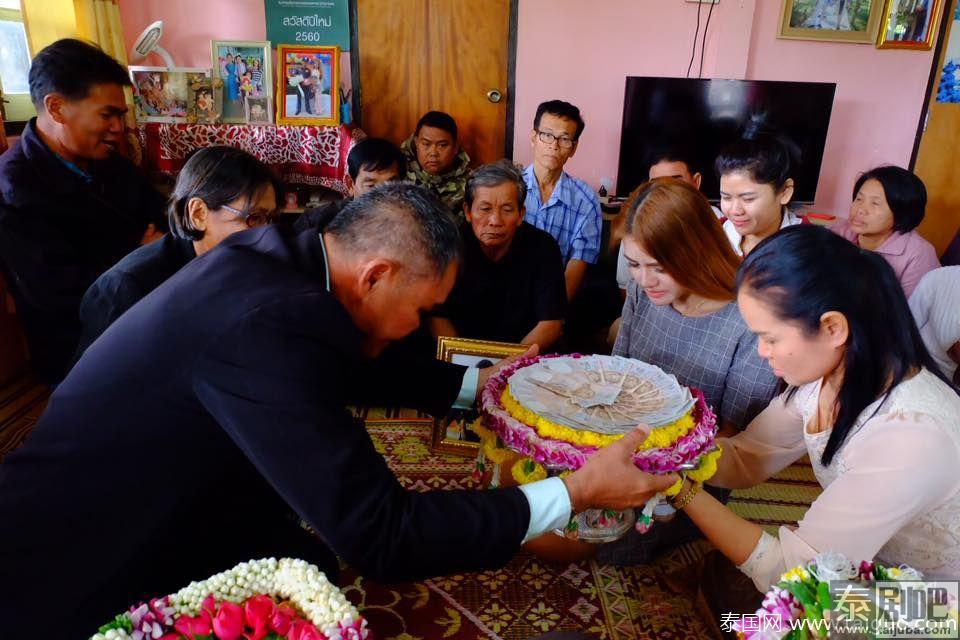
444, 55
937, 162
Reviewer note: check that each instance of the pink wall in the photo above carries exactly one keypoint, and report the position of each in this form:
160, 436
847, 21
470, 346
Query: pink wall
190, 25
879, 93
567, 50
877, 105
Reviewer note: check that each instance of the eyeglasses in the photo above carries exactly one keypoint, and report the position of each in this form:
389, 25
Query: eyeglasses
562, 141
252, 219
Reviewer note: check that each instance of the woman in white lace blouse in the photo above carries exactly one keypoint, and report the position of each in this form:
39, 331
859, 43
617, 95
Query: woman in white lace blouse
880, 422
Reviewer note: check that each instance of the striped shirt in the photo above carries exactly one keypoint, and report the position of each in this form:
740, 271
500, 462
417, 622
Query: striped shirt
571, 216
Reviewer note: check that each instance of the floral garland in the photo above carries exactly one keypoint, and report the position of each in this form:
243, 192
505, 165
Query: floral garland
239, 603
517, 435
509, 430
801, 601
526, 470
660, 437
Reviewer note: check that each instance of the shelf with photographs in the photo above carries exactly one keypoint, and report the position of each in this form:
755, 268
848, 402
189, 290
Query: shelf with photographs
311, 156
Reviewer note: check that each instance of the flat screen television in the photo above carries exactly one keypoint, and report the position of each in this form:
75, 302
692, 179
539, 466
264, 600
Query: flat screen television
706, 115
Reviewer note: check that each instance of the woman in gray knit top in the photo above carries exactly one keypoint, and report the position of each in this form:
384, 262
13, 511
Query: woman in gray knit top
681, 315
681, 310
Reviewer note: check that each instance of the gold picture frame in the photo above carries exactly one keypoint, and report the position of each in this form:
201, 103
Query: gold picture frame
205, 104
450, 433
909, 24
308, 85
855, 21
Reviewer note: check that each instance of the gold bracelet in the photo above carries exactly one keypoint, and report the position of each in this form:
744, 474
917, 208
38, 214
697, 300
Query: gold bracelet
684, 488
685, 499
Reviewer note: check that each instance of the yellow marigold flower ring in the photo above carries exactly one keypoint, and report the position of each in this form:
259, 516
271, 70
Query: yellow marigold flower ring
674, 489
659, 438
525, 470
708, 466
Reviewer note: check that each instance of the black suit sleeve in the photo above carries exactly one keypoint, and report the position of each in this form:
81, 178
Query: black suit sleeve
402, 379
46, 270
106, 300
277, 387
550, 299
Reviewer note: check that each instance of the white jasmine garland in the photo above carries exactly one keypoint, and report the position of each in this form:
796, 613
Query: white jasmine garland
298, 581
112, 634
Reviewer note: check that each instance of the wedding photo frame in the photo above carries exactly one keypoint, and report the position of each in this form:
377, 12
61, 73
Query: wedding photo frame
308, 85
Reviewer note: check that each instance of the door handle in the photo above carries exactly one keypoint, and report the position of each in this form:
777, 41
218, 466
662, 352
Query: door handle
494, 96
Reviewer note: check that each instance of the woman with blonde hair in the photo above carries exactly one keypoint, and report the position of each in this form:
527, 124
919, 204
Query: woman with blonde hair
681, 315
681, 311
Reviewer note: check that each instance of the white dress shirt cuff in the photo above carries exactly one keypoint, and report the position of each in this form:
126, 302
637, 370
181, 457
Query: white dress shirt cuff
549, 506
468, 389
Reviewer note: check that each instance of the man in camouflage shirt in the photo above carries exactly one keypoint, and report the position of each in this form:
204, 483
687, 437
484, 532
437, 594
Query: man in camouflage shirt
436, 161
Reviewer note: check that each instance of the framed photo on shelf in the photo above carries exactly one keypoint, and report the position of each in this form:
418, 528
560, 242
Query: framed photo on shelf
205, 103
909, 24
308, 85
450, 433
162, 94
258, 110
831, 20
244, 68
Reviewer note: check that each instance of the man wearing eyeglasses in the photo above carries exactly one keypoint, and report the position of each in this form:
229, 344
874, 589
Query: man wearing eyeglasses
558, 203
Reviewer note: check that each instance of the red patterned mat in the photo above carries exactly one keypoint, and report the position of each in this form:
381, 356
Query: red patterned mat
22, 400
529, 596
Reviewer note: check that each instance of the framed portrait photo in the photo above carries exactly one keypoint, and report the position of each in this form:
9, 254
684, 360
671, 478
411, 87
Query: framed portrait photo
831, 20
162, 94
258, 110
308, 85
205, 101
244, 68
450, 433
909, 24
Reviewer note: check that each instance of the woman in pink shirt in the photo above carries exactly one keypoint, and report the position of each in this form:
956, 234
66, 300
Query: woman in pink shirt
888, 204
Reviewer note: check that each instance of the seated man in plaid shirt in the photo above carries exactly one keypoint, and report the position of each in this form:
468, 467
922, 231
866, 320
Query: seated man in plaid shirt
558, 203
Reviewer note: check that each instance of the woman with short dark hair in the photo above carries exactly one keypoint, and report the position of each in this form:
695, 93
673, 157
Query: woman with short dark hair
888, 205
866, 402
219, 191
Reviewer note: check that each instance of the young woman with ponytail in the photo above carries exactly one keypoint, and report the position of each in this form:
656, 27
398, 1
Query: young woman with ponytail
866, 402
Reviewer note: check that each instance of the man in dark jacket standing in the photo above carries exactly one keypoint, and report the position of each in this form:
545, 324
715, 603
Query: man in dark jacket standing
70, 205
214, 409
